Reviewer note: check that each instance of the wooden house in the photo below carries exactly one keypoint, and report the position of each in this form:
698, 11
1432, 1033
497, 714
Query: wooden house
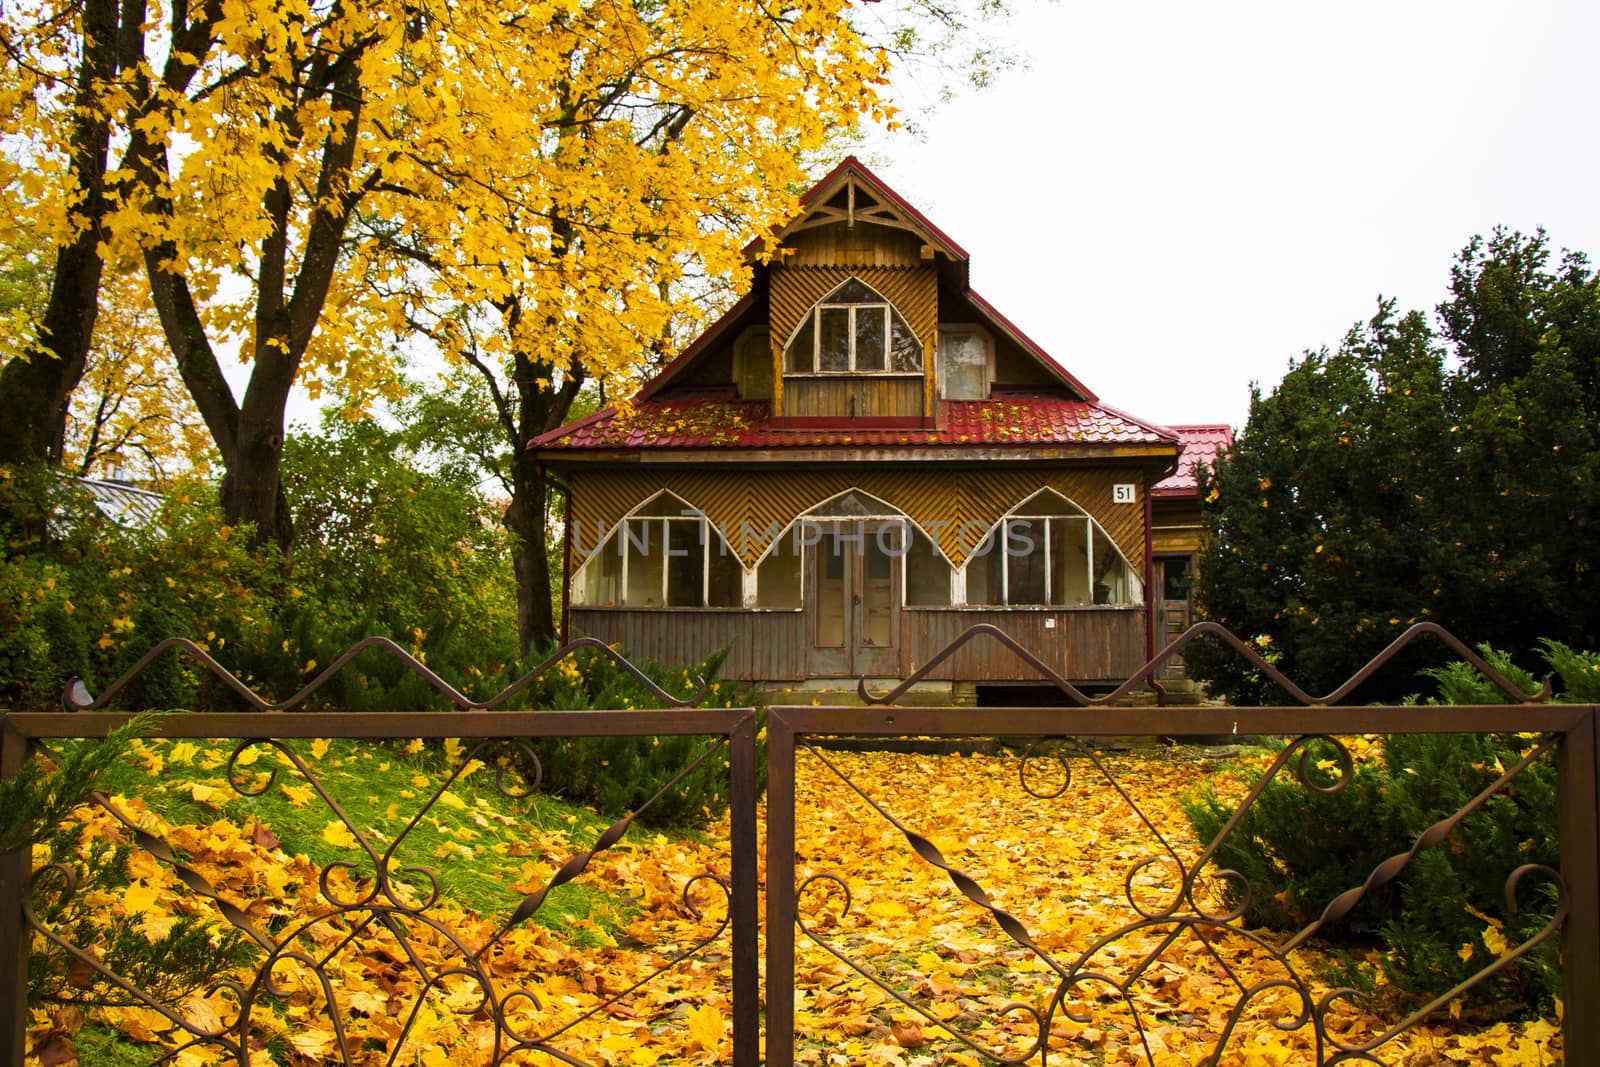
856, 463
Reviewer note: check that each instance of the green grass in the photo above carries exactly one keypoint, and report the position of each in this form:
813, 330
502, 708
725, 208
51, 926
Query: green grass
474, 837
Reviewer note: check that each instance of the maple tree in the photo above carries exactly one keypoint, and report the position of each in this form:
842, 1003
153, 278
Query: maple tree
563, 177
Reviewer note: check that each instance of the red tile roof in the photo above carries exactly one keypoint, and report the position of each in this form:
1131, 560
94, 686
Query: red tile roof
1200, 447
715, 419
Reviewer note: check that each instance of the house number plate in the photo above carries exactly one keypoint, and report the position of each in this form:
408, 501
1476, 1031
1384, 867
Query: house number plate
1122, 494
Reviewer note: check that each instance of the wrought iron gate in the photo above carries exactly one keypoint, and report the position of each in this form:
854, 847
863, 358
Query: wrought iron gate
810, 892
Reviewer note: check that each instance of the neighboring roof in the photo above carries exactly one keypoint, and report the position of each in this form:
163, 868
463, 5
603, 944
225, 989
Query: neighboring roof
123, 503
1200, 444
717, 419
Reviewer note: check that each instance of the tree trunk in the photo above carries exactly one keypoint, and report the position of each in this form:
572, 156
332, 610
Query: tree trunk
539, 408
36, 390
527, 518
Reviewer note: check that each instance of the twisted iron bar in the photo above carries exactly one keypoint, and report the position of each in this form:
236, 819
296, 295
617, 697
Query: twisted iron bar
1077, 698
381, 907
71, 702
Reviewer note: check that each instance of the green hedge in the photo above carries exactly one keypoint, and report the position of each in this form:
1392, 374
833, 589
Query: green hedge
1442, 920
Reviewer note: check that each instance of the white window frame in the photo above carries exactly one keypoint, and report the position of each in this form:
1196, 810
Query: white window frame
622, 541
814, 317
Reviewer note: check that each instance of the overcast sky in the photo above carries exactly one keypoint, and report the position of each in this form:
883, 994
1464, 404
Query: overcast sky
1175, 198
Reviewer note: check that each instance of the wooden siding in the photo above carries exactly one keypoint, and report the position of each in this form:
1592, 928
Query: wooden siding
937, 499
863, 245
854, 397
765, 645
1176, 525
1085, 644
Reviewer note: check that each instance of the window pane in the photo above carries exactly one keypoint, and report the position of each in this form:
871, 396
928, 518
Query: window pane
905, 351
830, 564
602, 576
927, 573
725, 582
985, 584
1175, 579
797, 358
835, 352
686, 564
1069, 561
870, 323
643, 546
778, 576
877, 593
854, 291
1024, 548
1113, 581
964, 366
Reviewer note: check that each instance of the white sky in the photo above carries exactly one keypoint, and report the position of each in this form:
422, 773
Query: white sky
1175, 199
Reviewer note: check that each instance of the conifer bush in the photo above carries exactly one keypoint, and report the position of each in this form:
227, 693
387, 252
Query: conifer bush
1445, 918
616, 775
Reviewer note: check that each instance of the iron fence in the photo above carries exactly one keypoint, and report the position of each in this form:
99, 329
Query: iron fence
1073, 975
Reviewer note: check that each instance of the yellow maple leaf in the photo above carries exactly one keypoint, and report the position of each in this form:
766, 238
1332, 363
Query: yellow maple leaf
206, 794
319, 747
299, 795
706, 1027
139, 898
337, 833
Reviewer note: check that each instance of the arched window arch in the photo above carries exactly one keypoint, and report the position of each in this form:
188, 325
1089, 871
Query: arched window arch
927, 577
853, 330
663, 554
1047, 551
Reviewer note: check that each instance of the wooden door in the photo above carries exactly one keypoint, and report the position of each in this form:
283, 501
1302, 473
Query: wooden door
1173, 606
854, 572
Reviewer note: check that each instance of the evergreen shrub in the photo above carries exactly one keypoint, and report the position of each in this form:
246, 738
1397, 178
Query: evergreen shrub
616, 775
1445, 918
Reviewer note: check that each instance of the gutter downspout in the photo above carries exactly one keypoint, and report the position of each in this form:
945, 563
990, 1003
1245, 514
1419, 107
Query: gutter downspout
1150, 579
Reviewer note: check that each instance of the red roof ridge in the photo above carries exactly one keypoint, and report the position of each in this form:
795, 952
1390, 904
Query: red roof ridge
1143, 424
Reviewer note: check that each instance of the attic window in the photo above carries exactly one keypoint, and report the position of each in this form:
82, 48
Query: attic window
853, 330
966, 363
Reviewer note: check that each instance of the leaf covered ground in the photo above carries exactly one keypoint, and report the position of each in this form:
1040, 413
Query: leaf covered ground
908, 971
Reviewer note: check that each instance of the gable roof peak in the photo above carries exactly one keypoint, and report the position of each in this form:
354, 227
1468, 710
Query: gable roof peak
851, 193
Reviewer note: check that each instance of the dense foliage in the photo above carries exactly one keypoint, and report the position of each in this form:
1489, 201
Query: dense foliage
1422, 471
390, 550
656, 776
1445, 918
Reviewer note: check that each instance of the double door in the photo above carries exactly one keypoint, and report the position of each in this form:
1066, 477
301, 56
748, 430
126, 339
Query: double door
854, 573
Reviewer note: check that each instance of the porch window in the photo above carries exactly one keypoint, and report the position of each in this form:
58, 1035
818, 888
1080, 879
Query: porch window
661, 557
1051, 554
853, 330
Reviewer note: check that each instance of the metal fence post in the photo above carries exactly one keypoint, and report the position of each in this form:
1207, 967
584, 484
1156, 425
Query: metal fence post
1580, 869
780, 890
14, 938
745, 902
